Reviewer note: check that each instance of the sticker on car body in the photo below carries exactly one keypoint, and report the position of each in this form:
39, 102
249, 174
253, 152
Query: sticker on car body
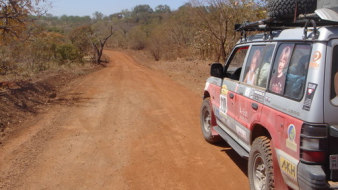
206, 86
258, 95
316, 57
223, 100
310, 92
241, 133
291, 140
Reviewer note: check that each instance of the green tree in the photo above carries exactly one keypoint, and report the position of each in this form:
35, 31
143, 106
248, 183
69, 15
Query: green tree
162, 9
142, 13
98, 16
141, 9
126, 13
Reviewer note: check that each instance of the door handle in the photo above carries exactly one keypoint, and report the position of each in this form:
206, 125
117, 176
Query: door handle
254, 106
232, 95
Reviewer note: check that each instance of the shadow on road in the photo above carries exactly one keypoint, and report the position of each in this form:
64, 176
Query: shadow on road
72, 99
242, 163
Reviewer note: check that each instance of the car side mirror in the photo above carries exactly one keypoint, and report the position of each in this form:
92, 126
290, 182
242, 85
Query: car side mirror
216, 70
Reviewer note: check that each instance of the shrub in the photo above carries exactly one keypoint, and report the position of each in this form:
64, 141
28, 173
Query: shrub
68, 52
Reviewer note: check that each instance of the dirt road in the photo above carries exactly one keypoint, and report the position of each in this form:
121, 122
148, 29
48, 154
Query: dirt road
122, 127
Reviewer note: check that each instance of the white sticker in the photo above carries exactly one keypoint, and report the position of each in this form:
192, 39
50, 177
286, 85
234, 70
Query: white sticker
240, 132
247, 92
206, 86
223, 104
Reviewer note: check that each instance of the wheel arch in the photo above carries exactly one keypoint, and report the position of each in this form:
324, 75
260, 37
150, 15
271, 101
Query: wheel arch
259, 130
206, 94
210, 135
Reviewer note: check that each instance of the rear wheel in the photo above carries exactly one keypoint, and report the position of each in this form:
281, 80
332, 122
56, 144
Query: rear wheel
206, 118
288, 8
260, 167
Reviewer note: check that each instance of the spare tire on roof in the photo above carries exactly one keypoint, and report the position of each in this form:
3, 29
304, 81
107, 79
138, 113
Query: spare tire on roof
286, 8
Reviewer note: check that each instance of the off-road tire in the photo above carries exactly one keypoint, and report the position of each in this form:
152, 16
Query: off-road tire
260, 169
206, 118
285, 9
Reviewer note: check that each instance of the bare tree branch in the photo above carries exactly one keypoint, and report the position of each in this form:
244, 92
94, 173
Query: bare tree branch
16, 14
99, 43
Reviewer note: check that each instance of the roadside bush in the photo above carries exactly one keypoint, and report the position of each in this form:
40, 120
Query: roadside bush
5, 65
79, 38
68, 53
137, 39
137, 44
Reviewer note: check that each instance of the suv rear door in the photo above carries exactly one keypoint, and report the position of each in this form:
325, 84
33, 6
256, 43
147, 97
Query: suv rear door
331, 105
251, 89
331, 87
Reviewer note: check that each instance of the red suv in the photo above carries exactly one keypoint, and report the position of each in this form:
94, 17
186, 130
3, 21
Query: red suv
275, 101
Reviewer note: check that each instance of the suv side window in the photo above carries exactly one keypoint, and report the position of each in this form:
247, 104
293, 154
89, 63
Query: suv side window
277, 79
264, 69
290, 69
234, 67
258, 65
252, 64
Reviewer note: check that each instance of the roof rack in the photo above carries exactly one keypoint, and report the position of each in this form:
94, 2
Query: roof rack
275, 24
272, 24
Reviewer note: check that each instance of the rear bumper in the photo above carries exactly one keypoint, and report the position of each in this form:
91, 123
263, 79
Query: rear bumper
313, 177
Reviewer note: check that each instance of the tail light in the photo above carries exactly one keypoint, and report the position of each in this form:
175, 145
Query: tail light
314, 143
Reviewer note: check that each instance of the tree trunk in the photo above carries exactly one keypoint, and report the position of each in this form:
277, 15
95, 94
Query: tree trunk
98, 47
222, 51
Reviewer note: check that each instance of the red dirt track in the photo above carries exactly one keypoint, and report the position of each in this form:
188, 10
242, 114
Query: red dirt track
123, 127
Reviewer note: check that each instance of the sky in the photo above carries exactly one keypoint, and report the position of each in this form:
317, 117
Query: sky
106, 7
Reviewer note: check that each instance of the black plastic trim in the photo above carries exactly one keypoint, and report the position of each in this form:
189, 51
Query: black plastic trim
312, 137
311, 177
